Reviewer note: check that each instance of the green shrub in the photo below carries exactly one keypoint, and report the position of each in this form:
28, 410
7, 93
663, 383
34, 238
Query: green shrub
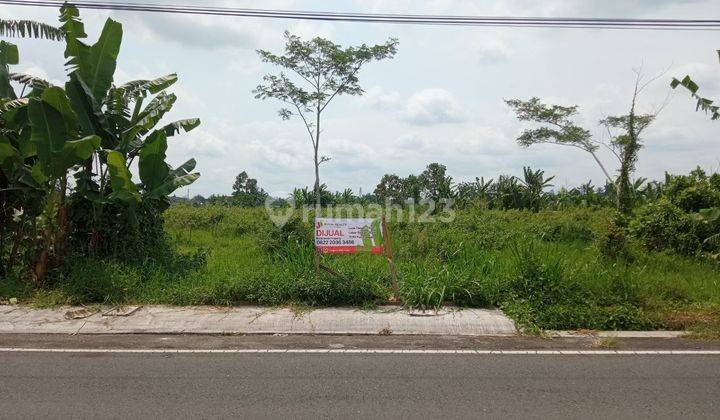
288, 236
695, 191
664, 226
697, 197
613, 244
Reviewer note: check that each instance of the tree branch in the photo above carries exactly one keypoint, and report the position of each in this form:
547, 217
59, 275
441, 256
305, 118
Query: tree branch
307, 125
343, 84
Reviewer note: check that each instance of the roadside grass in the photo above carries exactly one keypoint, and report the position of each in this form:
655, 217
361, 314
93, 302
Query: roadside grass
710, 331
544, 269
607, 343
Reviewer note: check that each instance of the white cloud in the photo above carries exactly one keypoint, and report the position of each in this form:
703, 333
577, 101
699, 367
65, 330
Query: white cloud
228, 33
380, 98
433, 106
203, 143
349, 155
390, 130
282, 153
492, 50
205, 32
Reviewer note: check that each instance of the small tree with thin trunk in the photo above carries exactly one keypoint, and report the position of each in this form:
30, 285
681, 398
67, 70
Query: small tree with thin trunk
318, 71
557, 128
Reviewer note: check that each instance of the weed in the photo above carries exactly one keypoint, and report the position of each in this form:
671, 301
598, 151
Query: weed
609, 342
385, 331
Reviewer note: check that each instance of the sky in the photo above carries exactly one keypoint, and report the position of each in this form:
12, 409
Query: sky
441, 99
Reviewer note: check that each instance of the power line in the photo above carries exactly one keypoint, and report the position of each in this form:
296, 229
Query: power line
495, 21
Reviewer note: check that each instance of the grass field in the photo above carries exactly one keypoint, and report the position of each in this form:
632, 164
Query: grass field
544, 269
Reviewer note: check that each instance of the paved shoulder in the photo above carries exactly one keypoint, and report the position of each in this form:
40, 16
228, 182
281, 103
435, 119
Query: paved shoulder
255, 320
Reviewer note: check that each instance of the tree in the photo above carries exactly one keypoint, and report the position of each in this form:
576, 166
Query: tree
436, 184
412, 188
92, 130
246, 192
476, 191
558, 128
534, 184
390, 189
321, 70
345, 197
508, 193
19, 202
702, 103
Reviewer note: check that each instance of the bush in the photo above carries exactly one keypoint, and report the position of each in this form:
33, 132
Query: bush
697, 197
664, 226
695, 191
613, 244
294, 232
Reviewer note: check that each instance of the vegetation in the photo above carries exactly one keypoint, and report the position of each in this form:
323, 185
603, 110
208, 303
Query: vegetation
324, 70
548, 268
246, 191
65, 157
558, 128
76, 227
705, 104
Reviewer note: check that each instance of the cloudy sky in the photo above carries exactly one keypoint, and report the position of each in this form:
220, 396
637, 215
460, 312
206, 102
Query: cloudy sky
439, 100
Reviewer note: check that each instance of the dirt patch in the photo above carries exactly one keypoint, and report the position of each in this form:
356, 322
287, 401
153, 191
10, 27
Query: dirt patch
688, 319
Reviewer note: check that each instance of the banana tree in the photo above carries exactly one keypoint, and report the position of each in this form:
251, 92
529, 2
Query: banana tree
534, 184
126, 125
38, 145
91, 129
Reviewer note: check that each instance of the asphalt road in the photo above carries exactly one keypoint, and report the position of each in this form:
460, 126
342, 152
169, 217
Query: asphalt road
160, 385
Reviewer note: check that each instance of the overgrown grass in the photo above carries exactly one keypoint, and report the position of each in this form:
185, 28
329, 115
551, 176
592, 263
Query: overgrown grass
544, 269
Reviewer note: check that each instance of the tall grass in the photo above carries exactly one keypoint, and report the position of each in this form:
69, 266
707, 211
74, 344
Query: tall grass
545, 269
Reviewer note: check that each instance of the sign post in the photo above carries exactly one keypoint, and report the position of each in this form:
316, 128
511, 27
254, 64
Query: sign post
352, 236
389, 256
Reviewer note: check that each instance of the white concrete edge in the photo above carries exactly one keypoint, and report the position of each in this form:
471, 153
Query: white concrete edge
618, 334
268, 332
368, 351
555, 334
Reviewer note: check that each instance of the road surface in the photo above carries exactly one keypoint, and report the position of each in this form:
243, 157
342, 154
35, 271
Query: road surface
316, 385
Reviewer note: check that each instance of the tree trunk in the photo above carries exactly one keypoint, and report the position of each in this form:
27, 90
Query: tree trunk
317, 163
317, 183
16, 245
628, 155
62, 219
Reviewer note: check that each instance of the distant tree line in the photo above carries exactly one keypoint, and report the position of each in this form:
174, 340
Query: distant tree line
532, 191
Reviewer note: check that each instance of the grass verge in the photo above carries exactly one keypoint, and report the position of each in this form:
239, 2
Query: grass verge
545, 269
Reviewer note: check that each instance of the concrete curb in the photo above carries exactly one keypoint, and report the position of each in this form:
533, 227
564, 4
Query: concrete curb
393, 320
255, 320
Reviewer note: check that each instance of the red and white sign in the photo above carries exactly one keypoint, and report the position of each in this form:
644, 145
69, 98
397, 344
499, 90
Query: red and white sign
348, 236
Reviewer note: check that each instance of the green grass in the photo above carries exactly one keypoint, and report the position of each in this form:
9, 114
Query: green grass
544, 269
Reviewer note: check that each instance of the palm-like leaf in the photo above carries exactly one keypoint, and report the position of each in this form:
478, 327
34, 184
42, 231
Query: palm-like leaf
30, 29
702, 103
152, 167
8, 55
121, 179
97, 64
29, 79
141, 88
181, 125
8, 105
